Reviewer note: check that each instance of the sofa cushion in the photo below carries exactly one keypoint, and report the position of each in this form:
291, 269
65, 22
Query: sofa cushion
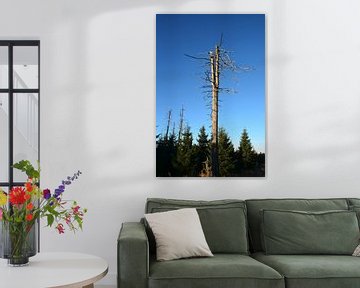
223, 221
354, 205
298, 232
356, 209
353, 201
313, 271
254, 207
178, 234
222, 270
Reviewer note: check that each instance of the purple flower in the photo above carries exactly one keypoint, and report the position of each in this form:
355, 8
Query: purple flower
68, 181
58, 192
46, 194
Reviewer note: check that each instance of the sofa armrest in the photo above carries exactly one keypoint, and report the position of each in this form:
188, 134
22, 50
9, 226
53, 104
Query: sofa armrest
133, 256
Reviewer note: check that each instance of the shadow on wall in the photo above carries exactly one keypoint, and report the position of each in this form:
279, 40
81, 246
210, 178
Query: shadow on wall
67, 76
99, 7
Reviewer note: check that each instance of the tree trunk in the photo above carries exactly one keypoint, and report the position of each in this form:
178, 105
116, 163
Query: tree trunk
214, 62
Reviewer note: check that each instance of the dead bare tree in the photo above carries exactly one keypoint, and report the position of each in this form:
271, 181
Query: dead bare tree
168, 125
215, 76
217, 61
181, 122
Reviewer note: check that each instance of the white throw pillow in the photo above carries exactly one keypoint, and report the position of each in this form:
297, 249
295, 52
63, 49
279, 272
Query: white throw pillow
357, 251
178, 234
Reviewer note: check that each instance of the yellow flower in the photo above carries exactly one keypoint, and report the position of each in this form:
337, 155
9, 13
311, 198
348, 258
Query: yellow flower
3, 198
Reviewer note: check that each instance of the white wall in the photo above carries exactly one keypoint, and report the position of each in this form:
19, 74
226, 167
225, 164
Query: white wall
98, 105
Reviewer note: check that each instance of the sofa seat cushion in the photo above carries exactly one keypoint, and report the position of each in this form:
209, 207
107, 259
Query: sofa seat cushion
313, 271
222, 270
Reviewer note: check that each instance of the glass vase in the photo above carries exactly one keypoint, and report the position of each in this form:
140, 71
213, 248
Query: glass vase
18, 242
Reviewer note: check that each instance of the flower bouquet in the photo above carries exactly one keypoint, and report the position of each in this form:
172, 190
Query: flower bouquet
21, 208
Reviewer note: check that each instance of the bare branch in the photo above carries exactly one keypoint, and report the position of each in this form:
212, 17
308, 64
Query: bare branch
198, 58
221, 40
246, 68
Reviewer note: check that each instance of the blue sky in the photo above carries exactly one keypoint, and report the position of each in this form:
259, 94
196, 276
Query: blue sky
179, 78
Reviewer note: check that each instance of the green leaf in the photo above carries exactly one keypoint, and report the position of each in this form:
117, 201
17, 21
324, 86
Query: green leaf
21, 165
52, 211
28, 168
50, 219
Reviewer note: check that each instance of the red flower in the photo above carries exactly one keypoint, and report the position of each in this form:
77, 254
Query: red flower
29, 217
29, 186
29, 206
68, 219
75, 209
60, 228
27, 196
17, 196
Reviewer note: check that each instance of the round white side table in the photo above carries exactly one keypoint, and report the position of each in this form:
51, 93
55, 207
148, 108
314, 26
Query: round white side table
50, 270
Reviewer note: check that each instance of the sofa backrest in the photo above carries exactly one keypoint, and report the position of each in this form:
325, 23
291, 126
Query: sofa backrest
223, 221
256, 205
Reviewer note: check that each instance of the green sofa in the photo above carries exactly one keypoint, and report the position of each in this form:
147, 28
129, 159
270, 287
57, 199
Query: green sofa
236, 234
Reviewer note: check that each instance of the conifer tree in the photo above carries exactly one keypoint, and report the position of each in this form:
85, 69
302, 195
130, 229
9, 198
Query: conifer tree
185, 154
165, 154
247, 153
202, 151
226, 154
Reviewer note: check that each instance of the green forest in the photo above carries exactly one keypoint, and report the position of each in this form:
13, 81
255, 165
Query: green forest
183, 156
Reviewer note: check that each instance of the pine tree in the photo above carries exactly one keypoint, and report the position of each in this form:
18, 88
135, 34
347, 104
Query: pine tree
246, 151
165, 154
185, 154
226, 154
202, 151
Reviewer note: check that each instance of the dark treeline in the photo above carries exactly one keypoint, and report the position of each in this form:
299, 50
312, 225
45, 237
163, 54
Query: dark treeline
179, 155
